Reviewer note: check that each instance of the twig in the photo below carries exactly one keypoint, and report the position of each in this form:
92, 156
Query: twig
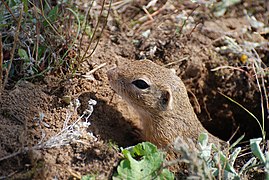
195, 26
195, 101
37, 33
227, 67
206, 110
148, 14
144, 18
1, 65
10, 155
94, 32
110, 2
16, 153
177, 61
74, 174
14, 46
9, 11
234, 134
84, 26
94, 69
184, 23
9, 175
263, 83
261, 97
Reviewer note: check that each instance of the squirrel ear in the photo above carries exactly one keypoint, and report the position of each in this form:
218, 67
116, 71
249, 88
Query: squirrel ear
166, 100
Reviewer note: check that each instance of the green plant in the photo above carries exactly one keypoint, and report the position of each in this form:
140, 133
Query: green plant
88, 177
209, 162
221, 7
143, 161
36, 38
45, 37
113, 145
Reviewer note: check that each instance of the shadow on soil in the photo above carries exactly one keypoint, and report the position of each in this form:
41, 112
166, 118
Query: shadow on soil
108, 123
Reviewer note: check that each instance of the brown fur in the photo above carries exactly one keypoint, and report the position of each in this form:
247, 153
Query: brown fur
164, 108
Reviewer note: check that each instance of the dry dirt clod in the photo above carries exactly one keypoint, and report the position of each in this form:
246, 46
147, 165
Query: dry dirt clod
160, 98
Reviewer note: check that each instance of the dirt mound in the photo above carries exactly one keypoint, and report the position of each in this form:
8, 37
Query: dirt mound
19, 107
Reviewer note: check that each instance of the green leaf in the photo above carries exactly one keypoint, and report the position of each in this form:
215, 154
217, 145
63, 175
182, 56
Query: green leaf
224, 161
143, 149
256, 150
250, 162
53, 13
25, 5
23, 54
222, 6
234, 155
165, 175
143, 161
203, 139
237, 141
52, 16
88, 177
205, 148
41, 51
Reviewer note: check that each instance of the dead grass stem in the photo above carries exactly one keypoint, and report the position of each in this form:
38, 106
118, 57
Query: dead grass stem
14, 46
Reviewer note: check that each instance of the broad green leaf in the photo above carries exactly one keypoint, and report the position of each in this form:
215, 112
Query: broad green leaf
203, 139
143, 161
23, 54
256, 150
205, 148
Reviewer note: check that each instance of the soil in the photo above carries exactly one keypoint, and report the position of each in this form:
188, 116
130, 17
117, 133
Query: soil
34, 112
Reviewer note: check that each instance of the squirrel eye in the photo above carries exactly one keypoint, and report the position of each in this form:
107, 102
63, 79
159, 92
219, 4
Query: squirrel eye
141, 84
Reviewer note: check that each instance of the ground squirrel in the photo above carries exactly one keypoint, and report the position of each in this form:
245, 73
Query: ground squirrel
160, 98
